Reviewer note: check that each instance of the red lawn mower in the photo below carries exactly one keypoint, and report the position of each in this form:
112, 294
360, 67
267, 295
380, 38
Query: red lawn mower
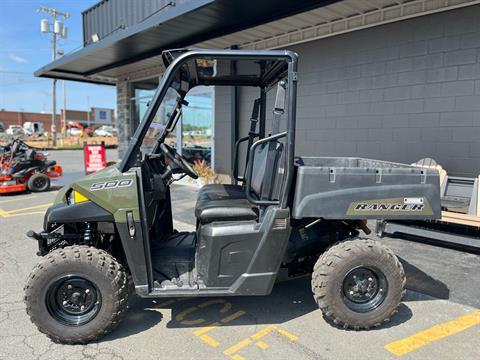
23, 167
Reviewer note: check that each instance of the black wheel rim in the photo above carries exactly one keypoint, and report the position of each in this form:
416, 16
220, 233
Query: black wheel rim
73, 300
364, 289
39, 183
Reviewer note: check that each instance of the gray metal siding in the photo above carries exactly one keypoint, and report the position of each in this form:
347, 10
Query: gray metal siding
397, 92
109, 16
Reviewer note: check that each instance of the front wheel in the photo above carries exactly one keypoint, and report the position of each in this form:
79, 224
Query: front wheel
358, 284
38, 182
76, 294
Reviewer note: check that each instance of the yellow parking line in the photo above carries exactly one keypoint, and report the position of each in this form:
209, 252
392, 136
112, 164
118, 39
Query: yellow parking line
18, 199
262, 345
209, 340
28, 213
237, 347
233, 350
288, 335
29, 208
263, 332
232, 317
4, 213
206, 329
437, 332
202, 332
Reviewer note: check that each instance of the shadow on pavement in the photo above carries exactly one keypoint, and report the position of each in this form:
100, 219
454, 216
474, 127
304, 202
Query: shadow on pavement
421, 282
138, 319
289, 300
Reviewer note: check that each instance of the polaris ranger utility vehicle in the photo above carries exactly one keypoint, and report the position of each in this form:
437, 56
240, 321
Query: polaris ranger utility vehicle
288, 216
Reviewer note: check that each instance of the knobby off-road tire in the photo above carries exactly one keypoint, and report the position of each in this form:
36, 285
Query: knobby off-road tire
69, 278
38, 182
352, 265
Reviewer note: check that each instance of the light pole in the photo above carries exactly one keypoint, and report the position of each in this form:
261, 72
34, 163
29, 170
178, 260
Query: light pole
57, 29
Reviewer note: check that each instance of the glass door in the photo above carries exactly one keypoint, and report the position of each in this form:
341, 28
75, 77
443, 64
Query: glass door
193, 136
197, 125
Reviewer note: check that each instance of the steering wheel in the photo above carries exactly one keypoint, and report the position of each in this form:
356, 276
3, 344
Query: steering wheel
178, 160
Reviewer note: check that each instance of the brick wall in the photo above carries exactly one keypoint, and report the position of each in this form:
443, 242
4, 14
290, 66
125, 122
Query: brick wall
396, 92
18, 118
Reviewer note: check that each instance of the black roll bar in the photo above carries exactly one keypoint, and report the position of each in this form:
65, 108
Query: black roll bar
236, 156
274, 55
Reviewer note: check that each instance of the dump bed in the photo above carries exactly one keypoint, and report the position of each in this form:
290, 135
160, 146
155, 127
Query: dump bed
356, 188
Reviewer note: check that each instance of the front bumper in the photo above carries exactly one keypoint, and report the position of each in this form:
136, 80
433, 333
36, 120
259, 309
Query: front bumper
45, 240
7, 189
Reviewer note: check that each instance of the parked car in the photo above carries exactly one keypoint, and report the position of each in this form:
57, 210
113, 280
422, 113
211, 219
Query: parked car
31, 128
102, 132
15, 130
107, 130
74, 131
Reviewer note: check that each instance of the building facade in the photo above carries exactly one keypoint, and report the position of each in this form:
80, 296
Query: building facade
94, 117
393, 80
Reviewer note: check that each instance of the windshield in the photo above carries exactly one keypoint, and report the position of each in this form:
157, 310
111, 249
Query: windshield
159, 123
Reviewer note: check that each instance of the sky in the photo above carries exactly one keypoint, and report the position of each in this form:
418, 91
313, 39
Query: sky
24, 49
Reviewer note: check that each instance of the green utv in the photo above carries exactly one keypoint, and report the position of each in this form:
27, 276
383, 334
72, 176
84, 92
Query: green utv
287, 217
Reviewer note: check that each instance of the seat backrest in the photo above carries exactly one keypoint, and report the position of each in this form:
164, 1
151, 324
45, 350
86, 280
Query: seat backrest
267, 171
269, 160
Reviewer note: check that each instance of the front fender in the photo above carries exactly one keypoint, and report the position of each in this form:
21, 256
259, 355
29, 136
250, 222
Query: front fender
87, 211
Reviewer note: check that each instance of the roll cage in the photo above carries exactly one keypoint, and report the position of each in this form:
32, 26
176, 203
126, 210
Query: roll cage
186, 69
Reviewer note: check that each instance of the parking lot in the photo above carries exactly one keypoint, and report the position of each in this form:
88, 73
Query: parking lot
438, 319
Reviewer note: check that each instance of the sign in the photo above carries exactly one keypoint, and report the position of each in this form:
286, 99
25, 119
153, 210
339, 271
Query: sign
102, 116
94, 158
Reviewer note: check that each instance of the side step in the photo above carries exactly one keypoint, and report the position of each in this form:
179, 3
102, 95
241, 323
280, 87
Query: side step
173, 262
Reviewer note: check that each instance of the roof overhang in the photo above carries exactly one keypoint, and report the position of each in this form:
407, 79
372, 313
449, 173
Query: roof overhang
183, 25
134, 53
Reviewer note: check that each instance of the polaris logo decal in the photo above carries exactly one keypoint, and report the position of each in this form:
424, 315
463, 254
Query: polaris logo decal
108, 185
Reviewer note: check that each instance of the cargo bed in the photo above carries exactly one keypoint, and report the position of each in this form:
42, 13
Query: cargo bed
356, 188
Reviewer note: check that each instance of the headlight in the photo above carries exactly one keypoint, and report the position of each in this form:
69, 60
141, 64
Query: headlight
75, 198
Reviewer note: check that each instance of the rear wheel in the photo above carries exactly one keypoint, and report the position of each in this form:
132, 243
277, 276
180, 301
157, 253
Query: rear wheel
38, 182
358, 284
76, 294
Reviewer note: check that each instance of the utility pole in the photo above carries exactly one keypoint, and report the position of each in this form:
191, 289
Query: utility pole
64, 120
57, 29
88, 111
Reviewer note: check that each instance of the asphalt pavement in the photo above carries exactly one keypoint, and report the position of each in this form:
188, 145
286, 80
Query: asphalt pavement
438, 319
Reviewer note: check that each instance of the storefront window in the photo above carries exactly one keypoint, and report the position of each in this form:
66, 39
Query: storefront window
193, 134
197, 124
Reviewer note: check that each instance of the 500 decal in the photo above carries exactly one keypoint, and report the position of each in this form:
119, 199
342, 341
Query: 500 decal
106, 185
